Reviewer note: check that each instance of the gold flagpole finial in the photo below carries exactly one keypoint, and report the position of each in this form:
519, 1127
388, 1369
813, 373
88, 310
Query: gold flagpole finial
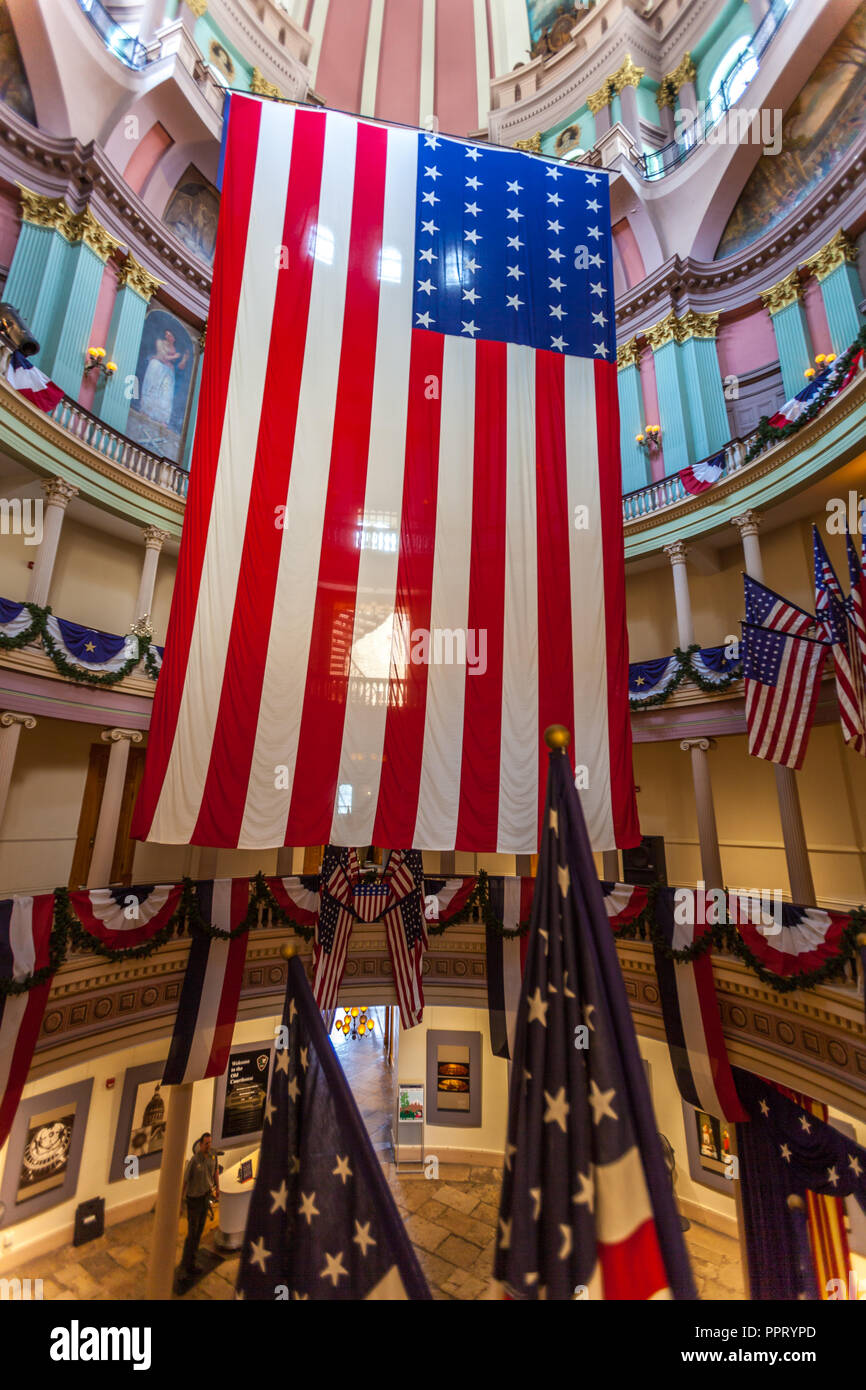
556, 736
288, 949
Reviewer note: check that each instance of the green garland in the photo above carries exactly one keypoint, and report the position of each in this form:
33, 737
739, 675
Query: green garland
56, 956
81, 939
768, 435
687, 670
39, 628
36, 629
150, 665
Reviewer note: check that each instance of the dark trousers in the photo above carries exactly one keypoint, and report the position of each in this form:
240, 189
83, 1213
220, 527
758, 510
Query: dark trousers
196, 1215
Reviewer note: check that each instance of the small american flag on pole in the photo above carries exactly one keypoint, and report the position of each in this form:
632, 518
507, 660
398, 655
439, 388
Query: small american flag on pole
835, 628
340, 873
406, 931
782, 673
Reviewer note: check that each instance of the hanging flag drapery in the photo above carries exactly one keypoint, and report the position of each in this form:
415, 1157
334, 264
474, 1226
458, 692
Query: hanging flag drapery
804, 940
690, 1008
89, 648
122, 918
322, 1223
34, 385
834, 628
586, 1198
700, 476
300, 903
623, 902
511, 901
402, 553
338, 880
405, 931
25, 949
208, 1007
825, 1218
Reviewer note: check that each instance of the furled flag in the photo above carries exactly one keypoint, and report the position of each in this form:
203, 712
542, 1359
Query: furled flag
406, 931
208, 1007
29, 382
690, 1008
587, 1208
829, 1248
322, 1223
765, 608
700, 476
855, 612
402, 554
126, 918
511, 902
834, 627
339, 878
782, 675
25, 949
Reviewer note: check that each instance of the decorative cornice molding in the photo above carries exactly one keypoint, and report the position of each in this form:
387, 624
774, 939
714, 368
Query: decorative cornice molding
628, 75
628, 355
782, 295
260, 86
838, 251
133, 275
532, 145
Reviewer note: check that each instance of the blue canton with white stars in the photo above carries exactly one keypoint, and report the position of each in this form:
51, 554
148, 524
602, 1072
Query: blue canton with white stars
513, 248
763, 651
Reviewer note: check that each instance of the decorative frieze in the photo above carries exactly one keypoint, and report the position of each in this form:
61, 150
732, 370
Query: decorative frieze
838, 251
133, 274
629, 75
782, 295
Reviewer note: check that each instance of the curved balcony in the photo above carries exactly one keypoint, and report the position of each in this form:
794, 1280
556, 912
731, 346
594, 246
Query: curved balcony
123, 45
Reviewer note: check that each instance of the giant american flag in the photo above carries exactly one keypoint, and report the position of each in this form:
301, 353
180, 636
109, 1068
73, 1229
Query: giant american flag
587, 1208
402, 555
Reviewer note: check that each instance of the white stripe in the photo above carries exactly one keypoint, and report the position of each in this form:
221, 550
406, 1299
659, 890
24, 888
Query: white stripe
427, 97
285, 676
14, 1007
376, 647
107, 910
442, 758
511, 976
589, 618
303, 898
618, 899
316, 32
21, 941
212, 984
622, 1201
695, 1037
371, 58
518, 759
447, 893
181, 793
482, 61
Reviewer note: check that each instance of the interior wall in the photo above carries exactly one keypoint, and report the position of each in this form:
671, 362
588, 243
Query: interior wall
489, 1136
39, 828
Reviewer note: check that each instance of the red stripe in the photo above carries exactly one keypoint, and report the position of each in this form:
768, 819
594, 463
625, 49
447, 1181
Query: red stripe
397, 809
810, 702
321, 733
122, 940
717, 1051
227, 1012
228, 273
553, 525
633, 1268
795, 693
789, 962
225, 792
623, 802
25, 1042
301, 915
482, 710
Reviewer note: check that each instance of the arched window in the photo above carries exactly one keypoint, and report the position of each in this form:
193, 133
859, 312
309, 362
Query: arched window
733, 75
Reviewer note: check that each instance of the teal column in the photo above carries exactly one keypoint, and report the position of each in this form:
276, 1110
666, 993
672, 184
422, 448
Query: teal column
842, 296
193, 406
36, 275
793, 340
63, 356
705, 393
672, 393
635, 462
135, 288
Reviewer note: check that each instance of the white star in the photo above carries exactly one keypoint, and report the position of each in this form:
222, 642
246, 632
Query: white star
592, 206
342, 1170
259, 1254
514, 213
555, 254
565, 1247
515, 242
554, 198
535, 1194
597, 289
557, 284
553, 821
293, 1009
472, 152
586, 1195
562, 873
514, 186
593, 232
334, 1268
515, 272
426, 286
428, 255
280, 1198
587, 1010
471, 295
429, 227
469, 327
432, 142
600, 319
505, 1238
308, 1207
559, 343
600, 349
362, 1236
854, 1165
537, 1008
596, 260
567, 993
786, 1153
557, 1109
282, 1061
557, 311
473, 209
592, 178
513, 302
471, 236
430, 198
471, 265
294, 1164
601, 1103
293, 1088
270, 1110
555, 227
473, 183
832, 1175
805, 1124
765, 1109
305, 1058
431, 172
545, 936
424, 320
554, 174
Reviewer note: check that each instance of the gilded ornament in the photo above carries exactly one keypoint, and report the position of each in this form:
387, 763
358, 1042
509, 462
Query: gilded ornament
684, 72
532, 144
198, 7
666, 94
596, 101
781, 296
693, 325
629, 75
83, 226
667, 331
260, 86
42, 211
628, 354
837, 252
133, 274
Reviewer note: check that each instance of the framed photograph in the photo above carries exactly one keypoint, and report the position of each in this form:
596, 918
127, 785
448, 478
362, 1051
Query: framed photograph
239, 1095
453, 1078
140, 1132
411, 1105
709, 1142
43, 1156
164, 373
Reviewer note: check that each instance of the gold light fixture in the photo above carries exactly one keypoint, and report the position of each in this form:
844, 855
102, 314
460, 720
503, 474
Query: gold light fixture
356, 1022
94, 359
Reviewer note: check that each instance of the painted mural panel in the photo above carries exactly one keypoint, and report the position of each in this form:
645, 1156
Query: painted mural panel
14, 87
819, 128
164, 377
192, 213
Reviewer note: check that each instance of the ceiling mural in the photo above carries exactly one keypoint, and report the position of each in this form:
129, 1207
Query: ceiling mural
551, 22
192, 213
819, 128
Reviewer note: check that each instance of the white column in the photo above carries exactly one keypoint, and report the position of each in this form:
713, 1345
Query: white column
163, 1245
10, 732
109, 810
708, 837
787, 791
154, 539
677, 553
58, 495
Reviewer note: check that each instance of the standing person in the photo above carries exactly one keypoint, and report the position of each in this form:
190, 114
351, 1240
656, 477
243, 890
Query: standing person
199, 1181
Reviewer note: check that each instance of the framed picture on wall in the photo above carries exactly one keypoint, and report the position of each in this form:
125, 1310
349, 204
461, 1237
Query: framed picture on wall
709, 1143
164, 376
140, 1132
43, 1156
453, 1078
239, 1095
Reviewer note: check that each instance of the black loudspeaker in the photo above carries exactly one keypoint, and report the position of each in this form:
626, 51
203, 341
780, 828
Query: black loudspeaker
646, 862
89, 1220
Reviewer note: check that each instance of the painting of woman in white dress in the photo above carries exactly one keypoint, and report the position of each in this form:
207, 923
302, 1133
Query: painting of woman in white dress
164, 377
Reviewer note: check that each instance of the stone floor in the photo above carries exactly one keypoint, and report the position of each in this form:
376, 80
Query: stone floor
451, 1221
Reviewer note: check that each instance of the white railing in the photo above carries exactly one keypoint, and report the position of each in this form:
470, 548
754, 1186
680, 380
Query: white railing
668, 492
119, 449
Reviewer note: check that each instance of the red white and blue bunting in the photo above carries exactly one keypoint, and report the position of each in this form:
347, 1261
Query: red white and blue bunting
122, 918
698, 477
25, 953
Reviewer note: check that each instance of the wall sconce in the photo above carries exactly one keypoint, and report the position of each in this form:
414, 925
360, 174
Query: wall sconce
822, 362
93, 359
651, 439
